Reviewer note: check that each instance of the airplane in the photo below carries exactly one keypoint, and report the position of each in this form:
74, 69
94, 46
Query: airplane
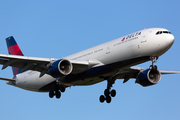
110, 61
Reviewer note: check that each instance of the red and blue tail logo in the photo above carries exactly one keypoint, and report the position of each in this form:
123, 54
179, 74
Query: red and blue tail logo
13, 49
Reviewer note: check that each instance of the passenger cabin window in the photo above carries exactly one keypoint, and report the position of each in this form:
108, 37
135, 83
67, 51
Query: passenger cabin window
160, 32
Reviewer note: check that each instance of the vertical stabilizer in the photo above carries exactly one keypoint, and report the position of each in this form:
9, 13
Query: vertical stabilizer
13, 49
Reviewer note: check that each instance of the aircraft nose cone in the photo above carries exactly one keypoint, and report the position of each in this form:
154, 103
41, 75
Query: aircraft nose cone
170, 39
164, 43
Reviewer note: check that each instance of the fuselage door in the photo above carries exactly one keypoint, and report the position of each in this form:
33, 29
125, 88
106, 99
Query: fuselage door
108, 50
144, 36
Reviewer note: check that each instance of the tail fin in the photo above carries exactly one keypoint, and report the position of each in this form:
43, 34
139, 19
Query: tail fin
13, 49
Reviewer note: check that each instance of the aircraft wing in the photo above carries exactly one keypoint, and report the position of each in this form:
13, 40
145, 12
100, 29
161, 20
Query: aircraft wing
39, 64
161, 71
168, 72
132, 72
24, 62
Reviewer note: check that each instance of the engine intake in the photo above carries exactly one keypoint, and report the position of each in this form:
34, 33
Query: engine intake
148, 77
60, 67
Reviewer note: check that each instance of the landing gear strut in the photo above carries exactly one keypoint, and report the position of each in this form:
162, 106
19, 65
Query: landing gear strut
108, 93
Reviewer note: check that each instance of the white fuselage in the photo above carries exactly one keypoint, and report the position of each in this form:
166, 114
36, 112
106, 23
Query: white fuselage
141, 44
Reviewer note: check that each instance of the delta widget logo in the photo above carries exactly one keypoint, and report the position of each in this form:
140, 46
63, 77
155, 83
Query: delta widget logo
123, 39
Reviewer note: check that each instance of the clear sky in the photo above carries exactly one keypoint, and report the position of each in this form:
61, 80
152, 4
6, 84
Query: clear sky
57, 28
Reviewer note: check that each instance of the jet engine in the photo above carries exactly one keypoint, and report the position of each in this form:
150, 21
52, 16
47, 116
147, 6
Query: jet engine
148, 77
60, 68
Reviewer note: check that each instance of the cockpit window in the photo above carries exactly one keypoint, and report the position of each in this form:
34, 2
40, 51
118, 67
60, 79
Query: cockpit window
160, 32
165, 31
157, 33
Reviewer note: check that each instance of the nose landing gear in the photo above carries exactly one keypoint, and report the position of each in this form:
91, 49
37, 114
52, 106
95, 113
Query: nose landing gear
153, 59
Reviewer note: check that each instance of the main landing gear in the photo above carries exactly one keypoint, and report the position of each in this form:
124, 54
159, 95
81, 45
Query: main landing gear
57, 91
108, 93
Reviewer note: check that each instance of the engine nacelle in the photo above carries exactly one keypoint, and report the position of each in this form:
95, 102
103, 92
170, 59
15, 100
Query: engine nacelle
148, 77
60, 68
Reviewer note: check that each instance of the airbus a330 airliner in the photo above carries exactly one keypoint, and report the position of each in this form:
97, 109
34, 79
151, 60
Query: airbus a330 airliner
109, 61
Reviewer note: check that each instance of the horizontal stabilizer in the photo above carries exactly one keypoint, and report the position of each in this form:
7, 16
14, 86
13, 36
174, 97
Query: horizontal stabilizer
7, 79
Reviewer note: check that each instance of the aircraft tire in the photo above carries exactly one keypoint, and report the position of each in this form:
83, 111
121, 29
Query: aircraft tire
155, 67
58, 94
51, 94
113, 93
108, 99
106, 92
102, 98
62, 89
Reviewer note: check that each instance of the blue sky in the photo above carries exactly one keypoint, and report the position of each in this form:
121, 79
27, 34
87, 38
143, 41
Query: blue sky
57, 28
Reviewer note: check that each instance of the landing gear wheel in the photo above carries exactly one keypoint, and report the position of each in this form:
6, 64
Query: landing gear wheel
106, 92
153, 67
62, 89
108, 99
51, 94
58, 94
113, 93
102, 98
